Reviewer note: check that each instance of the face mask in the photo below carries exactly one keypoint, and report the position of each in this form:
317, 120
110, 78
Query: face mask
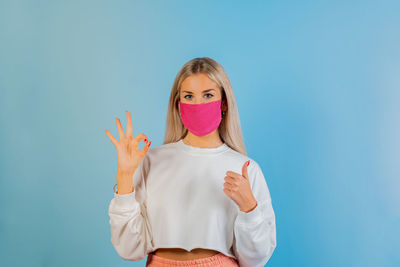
201, 119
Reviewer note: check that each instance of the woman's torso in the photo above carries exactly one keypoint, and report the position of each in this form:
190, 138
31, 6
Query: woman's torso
183, 189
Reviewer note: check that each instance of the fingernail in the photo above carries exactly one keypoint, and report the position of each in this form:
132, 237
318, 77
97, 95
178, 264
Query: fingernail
248, 163
145, 140
149, 143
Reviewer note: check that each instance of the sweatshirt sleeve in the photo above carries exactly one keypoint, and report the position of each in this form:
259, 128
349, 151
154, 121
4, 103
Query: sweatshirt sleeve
131, 233
255, 231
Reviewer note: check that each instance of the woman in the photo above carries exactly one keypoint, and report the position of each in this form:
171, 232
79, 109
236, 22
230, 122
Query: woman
196, 200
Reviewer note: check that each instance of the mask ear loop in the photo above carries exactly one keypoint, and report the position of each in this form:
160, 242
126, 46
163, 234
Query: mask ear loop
222, 99
223, 112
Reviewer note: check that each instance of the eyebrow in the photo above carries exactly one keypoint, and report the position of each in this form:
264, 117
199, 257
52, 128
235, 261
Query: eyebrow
208, 90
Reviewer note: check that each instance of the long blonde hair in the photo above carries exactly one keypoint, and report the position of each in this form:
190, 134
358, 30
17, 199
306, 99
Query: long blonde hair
229, 129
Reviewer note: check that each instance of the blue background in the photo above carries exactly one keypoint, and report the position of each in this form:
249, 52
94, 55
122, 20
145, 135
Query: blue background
317, 85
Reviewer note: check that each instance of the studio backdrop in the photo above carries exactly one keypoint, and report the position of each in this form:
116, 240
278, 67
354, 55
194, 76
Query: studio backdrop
317, 85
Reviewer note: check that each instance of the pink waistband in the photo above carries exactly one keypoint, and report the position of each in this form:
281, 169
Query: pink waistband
219, 259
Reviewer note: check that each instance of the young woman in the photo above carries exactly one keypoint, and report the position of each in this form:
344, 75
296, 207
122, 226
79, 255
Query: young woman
198, 199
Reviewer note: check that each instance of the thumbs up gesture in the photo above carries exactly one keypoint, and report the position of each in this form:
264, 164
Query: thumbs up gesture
237, 187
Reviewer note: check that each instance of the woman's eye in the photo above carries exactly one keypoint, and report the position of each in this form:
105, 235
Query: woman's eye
211, 95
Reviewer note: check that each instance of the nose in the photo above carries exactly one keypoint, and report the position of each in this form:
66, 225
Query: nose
199, 101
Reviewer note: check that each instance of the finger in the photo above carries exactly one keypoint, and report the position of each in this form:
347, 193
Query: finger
244, 169
113, 140
141, 137
146, 147
230, 179
129, 128
120, 130
233, 174
229, 186
227, 191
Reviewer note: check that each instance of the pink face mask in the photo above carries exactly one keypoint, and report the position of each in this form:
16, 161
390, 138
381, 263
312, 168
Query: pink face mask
201, 119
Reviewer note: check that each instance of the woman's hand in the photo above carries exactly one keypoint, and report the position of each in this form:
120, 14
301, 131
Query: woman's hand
237, 187
129, 154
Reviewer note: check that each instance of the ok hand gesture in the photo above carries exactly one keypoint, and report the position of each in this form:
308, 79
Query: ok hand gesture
129, 154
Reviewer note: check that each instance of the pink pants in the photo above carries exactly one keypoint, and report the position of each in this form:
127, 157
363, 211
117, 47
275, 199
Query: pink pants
220, 260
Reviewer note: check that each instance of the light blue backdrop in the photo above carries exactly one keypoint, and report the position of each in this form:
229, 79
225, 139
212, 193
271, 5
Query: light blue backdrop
318, 89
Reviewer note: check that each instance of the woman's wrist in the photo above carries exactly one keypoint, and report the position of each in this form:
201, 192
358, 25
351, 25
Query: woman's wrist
252, 207
124, 182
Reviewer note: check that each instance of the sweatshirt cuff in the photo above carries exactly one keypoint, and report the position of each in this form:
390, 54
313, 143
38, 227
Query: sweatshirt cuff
125, 201
252, 217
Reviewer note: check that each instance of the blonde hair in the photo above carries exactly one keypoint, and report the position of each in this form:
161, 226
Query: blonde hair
229, 129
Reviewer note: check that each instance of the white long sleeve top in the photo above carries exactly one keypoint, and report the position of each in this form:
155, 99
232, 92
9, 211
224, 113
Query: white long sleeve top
178, 202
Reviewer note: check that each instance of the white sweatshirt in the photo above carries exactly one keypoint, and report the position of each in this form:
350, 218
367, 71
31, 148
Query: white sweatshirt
179, 202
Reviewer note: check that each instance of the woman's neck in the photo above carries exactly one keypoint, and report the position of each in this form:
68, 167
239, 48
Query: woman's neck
210, 140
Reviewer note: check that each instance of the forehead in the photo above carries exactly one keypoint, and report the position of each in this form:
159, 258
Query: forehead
198, 82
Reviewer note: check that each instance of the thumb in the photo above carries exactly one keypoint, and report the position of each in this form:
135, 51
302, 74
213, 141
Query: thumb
244, 169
